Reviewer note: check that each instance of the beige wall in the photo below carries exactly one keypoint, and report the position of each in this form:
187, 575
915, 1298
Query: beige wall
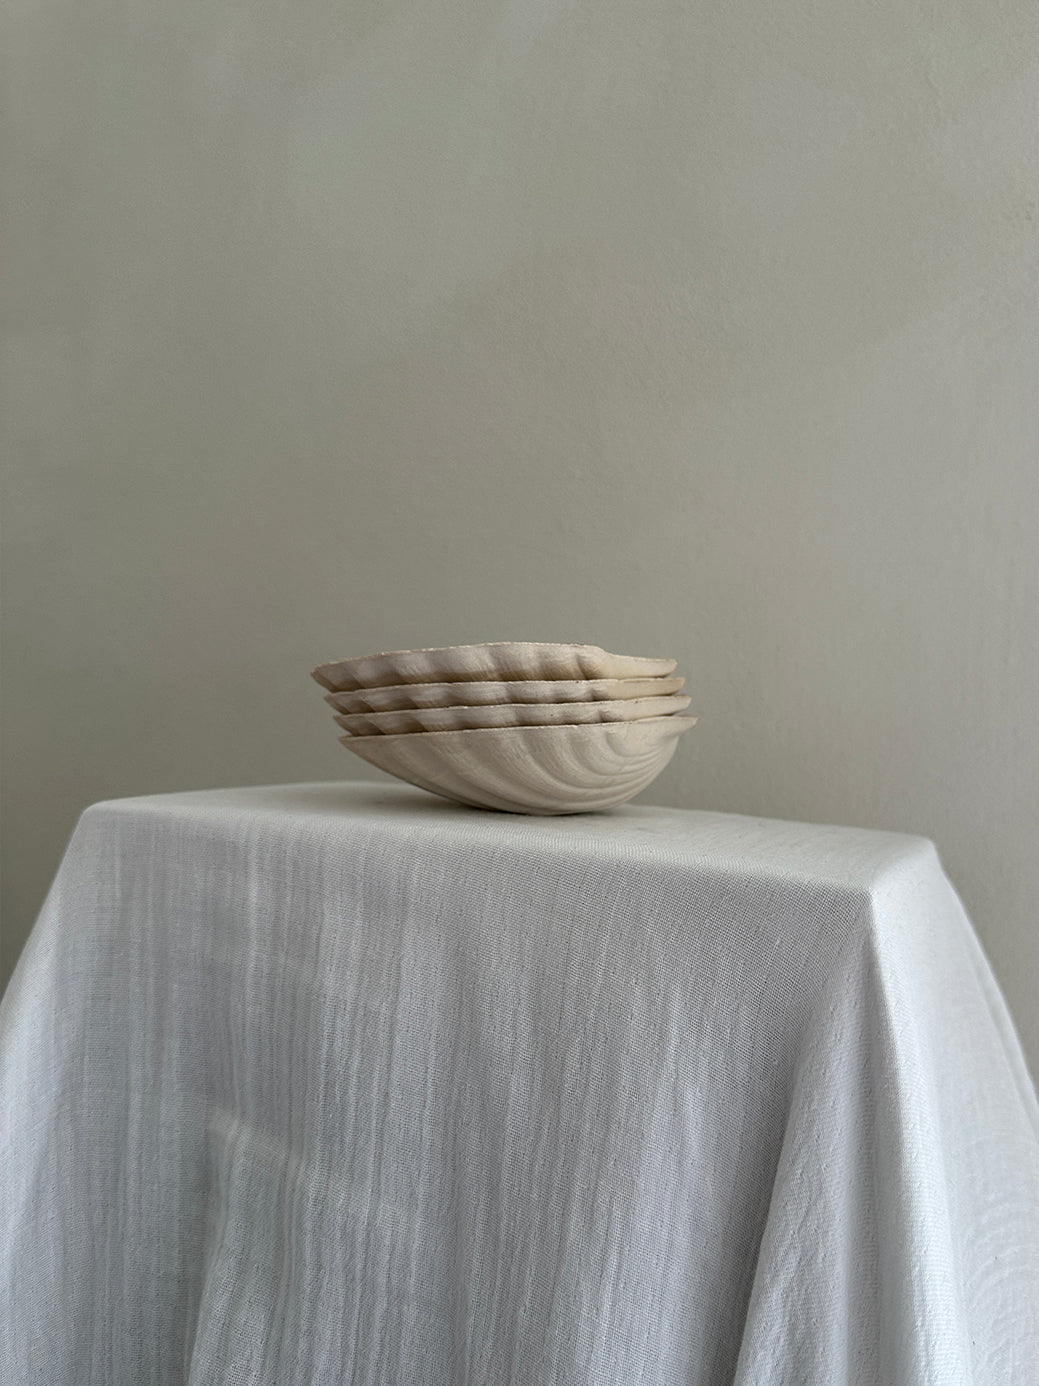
697, 329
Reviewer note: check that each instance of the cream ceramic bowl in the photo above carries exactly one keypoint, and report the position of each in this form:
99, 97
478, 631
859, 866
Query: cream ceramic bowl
549, 770
506, 715
502, 661
483, 691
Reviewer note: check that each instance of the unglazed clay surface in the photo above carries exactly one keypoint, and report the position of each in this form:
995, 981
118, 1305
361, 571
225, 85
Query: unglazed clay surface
501, 661
550, 770
483, 691
507, 715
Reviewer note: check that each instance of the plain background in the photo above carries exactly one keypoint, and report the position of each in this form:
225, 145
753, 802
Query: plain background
706, 330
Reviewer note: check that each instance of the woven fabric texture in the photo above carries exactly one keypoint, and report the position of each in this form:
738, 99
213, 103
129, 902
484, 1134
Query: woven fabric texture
340, 1083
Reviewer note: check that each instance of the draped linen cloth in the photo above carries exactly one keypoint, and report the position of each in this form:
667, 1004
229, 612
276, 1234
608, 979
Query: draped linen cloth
341, 1083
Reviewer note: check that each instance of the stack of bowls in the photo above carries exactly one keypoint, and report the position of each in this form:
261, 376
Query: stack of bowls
520, 727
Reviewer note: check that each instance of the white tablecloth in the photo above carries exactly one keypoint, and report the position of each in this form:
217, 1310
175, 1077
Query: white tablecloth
342, 1084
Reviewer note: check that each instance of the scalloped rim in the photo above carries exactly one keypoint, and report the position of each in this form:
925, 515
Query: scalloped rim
674, 720
479, 645
634, 706
415, 696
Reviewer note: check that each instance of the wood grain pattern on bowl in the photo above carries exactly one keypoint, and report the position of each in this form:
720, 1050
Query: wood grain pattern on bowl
544, 770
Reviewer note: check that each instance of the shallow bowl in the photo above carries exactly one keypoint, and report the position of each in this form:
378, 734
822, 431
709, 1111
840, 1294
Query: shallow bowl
501, 661
544, 770
406, 720
482, 691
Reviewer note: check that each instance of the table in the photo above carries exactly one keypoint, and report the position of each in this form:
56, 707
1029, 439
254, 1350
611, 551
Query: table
340, 1083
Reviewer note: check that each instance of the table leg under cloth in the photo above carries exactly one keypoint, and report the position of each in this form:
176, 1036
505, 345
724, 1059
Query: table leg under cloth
339, 1083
